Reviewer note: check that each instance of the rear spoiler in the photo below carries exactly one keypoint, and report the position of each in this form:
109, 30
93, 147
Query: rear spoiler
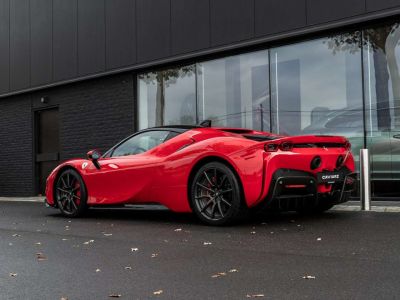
307, 141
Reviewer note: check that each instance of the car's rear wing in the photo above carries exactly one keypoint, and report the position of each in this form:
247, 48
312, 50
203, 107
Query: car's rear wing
307, 141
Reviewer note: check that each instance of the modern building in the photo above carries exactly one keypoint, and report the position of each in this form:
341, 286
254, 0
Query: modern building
82, 74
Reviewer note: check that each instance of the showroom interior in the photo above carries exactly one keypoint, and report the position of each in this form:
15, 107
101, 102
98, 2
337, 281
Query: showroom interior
82, 74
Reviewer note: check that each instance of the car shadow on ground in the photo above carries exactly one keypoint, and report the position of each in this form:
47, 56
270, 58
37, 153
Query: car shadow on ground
162, 215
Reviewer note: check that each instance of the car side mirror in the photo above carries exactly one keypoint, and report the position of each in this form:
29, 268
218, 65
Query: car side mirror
94, 156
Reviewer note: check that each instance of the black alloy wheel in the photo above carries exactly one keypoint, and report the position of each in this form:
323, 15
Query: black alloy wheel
70, 192
216, 195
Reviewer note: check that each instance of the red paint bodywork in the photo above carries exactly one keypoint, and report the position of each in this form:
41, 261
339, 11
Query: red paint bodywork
161, 175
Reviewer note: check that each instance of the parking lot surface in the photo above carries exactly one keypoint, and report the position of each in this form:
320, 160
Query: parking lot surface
156, 254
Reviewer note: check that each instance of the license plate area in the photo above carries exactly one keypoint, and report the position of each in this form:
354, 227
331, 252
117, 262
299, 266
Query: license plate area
329, 177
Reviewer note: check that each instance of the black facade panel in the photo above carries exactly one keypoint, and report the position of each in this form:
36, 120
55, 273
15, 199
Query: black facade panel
153, 29
120, 33
275, 16
41, 42
190, 25
91, 36
16, 171
373, 5
4, 46
231, 21
320, 11
65, 38
94, 114
19, 44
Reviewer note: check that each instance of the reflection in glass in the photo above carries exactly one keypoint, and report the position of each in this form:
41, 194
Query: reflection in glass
382, 102
234, 91
316, 88
167, 97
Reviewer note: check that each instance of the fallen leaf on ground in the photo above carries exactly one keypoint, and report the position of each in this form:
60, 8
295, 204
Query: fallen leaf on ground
98, 270
207, 243
128, 268
159, 292
255, 296
38, 243
154, 255
40, 256
64, 239
218, 275
115, 296
107, 234
16, 235
308, 277
319, 239
253, 232
13, 274
134, 249
233, 271
178, 229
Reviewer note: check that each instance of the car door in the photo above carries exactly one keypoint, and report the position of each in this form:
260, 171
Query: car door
125, 174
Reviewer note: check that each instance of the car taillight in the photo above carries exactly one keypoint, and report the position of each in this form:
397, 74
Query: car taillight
286, 146
271, 147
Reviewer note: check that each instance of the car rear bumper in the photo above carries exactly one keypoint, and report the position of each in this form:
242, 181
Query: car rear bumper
293, 189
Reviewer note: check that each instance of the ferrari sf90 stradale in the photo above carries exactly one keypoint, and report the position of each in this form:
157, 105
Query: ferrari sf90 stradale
217, 173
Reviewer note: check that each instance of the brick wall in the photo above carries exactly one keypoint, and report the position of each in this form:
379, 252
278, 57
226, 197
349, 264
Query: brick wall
93, 114
16, 168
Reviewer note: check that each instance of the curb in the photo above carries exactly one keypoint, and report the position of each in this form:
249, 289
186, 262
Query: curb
393, 209
25, 199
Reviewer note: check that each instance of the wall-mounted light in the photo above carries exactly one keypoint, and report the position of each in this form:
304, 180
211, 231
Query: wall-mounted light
44, 100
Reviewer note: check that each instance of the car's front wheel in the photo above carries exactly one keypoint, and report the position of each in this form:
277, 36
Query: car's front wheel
215, 194
70, 193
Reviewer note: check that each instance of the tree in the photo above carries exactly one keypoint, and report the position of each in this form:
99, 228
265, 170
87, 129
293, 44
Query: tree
164, 79
382, 41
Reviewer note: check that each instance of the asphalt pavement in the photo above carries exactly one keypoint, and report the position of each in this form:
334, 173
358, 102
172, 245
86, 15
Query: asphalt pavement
156, 254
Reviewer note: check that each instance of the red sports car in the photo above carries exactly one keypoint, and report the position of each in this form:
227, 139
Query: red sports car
217, 173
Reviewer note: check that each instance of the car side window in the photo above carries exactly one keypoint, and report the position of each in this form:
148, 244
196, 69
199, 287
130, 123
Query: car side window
140, 143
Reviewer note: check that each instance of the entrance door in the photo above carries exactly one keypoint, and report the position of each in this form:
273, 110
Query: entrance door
47, 145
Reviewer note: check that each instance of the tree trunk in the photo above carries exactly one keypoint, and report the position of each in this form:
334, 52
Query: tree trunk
390, 48
160, 100
382, 90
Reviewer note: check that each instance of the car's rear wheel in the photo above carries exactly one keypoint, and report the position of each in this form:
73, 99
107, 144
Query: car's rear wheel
70, 193
215, 194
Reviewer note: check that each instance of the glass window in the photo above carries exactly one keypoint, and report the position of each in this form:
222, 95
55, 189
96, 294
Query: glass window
167, 97
234, 91
140, 143
382, 101
317, 83
316, 88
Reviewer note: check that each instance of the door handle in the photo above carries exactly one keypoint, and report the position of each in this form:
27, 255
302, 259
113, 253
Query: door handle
397, 136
